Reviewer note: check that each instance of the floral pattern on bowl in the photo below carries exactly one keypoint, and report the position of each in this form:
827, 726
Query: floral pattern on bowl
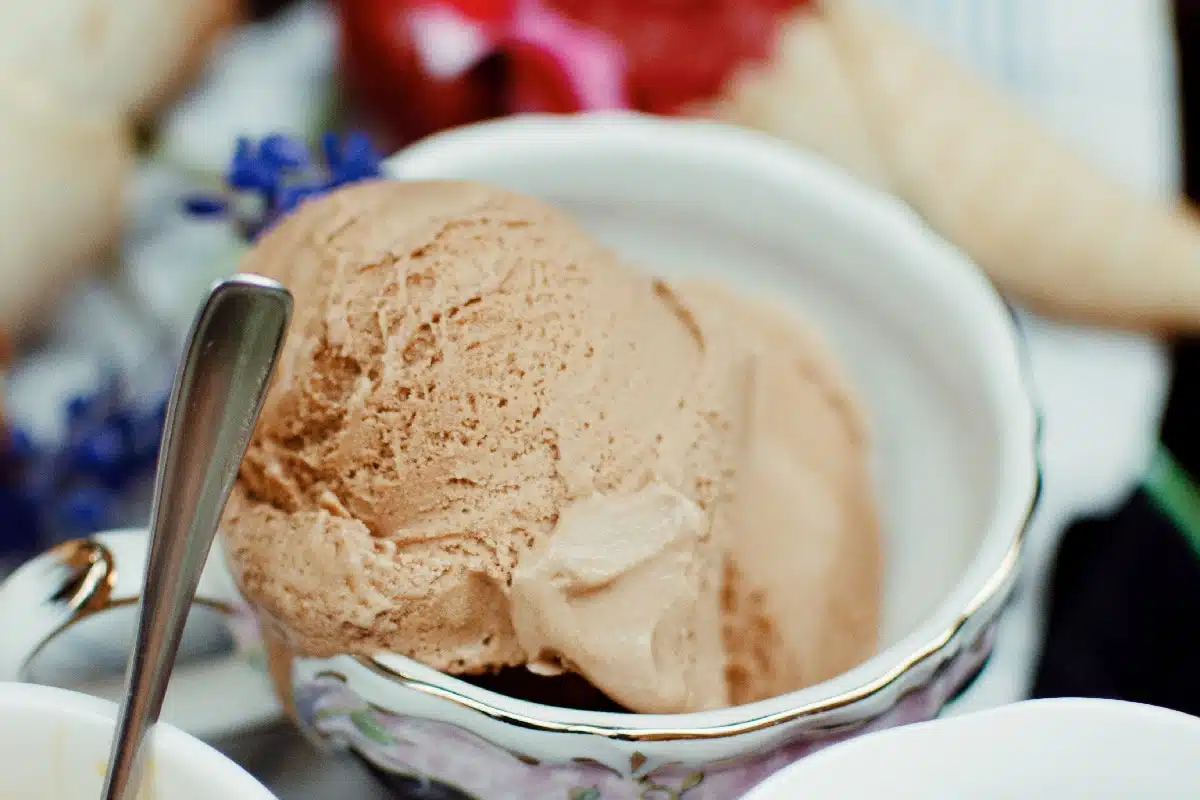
248, 641
438, 760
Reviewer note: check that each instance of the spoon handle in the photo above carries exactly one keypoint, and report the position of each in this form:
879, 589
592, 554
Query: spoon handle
218, 392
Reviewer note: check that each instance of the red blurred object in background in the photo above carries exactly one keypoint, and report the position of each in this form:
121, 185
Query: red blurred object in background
418, 66
681, 51
382, 69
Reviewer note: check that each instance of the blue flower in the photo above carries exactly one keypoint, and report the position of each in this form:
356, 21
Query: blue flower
248, 171
75, 486
20, 526
352, 158
20, 447
280, 172
283, 152
102, 454
85, 510
205, 205
78, 485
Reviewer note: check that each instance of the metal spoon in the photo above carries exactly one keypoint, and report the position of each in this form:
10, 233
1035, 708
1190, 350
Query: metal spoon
218, 393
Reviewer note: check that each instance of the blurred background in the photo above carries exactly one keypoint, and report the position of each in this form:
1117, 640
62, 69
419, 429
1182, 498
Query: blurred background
144, 143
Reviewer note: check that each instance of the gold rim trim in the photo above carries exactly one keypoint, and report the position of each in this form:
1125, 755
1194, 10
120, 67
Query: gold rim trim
89, 588
999, 580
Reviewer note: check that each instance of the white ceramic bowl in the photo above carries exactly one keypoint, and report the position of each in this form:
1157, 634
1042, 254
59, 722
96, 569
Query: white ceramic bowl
54, 745
921, 333
919, 329
923, 336
1036, 750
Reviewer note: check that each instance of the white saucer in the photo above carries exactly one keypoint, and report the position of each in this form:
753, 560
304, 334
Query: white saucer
1035, 750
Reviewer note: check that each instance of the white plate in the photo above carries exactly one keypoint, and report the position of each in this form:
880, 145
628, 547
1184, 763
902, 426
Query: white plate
1035, 750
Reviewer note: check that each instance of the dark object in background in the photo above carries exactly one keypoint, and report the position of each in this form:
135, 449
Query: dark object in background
1124, 612
1181, 424
262, 9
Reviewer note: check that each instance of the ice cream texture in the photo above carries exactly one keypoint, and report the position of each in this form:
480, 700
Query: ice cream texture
491, 443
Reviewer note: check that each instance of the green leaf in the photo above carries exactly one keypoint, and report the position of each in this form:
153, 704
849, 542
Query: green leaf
365, 721
1175, 493
578, 793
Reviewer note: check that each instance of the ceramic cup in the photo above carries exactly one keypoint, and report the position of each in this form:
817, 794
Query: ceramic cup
68, 617
54, 745
923, 336
1036, 750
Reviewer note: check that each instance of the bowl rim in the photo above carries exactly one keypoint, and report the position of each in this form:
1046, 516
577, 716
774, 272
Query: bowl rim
980, 591
170, 745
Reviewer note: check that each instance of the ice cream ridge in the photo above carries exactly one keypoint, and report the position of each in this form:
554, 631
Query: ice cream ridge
492, 445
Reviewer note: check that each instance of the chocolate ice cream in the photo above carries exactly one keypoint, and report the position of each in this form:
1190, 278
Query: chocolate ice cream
491, 444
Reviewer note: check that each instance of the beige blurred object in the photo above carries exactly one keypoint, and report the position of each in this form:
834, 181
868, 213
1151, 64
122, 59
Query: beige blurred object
1047, 226
75, 76
120, 56
63, 172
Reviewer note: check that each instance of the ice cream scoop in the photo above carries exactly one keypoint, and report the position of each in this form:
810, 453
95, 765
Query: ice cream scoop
491, 443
